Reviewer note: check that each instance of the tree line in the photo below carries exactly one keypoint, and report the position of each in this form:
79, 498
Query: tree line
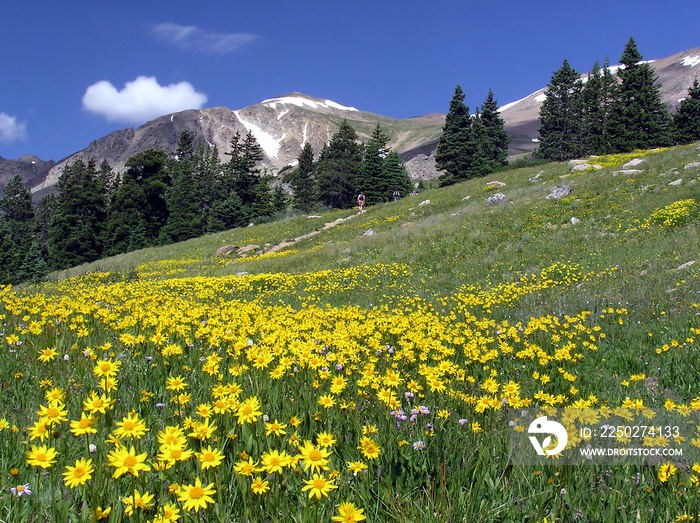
610, 113
471, 145
344, 169
161, 199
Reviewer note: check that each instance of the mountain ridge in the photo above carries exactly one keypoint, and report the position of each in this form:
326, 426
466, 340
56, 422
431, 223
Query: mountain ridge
283, 124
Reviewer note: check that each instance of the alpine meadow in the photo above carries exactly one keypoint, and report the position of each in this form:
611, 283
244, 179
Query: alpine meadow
184, 348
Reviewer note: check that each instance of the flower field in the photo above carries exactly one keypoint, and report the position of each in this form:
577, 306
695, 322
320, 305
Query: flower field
346, 381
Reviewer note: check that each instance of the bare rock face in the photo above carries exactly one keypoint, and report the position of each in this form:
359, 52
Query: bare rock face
32, 169
422, 167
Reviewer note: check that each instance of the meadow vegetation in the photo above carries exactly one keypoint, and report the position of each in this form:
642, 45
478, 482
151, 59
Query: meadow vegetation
348, 377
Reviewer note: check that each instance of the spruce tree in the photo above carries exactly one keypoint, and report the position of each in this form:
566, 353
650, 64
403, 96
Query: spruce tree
241, 174
494, 139
228, 214
148, 171
18, 216
303, 181
598, 97
641, 120
395, 175
686, 120
561, 117
185, 219
76, 231
370, 179
458, 152
338, 165
125, 218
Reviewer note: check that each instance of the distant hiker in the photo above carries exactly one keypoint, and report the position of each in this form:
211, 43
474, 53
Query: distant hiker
397, 195
361, 201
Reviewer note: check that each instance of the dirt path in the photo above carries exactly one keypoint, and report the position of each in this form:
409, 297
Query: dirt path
329, 225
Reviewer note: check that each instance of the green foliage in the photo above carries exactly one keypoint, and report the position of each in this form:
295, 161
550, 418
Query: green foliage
686, 119
458, 152
338, 165
640, 118
469, 146
598, 97
76, 230
16, 229
303, 181
493, 138
561, 117
185, 219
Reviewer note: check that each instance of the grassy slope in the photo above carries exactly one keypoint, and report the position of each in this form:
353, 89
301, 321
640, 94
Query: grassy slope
456, 240
616, 256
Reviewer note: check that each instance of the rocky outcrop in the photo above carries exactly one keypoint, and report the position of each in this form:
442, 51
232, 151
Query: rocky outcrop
559, 192
496, 199
32, 169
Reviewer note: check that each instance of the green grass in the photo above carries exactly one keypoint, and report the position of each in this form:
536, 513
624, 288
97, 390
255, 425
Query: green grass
433, 281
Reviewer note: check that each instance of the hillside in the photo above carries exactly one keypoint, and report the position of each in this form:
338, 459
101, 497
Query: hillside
376, 344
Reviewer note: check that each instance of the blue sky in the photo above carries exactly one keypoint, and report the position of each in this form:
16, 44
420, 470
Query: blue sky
74, 71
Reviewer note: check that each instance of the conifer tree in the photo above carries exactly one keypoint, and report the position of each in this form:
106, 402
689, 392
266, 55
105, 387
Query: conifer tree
148, 170
370, 179
561, 117
303, 181
338, 165
494, 139
17, 229
598, 97
641, 120
76, 231
394, 172
125, 218
458, 152
686, 119
185, 219
241, 174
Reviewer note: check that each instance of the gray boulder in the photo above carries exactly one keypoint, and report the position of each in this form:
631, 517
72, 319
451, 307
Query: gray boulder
636, 162
496, 199
580, 167
560, 192
226, 249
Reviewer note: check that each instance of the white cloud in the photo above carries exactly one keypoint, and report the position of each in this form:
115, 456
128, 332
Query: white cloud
11, 130
193, 38
140, 100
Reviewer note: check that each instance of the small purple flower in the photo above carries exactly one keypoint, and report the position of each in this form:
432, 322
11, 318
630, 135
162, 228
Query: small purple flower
463, 421
160, 405
419, 445
21, 490
408, 395
338, 366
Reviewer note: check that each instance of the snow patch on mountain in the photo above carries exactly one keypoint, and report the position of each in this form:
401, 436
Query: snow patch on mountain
303, 141
540, 98
301, 102
270, 145
690, 61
